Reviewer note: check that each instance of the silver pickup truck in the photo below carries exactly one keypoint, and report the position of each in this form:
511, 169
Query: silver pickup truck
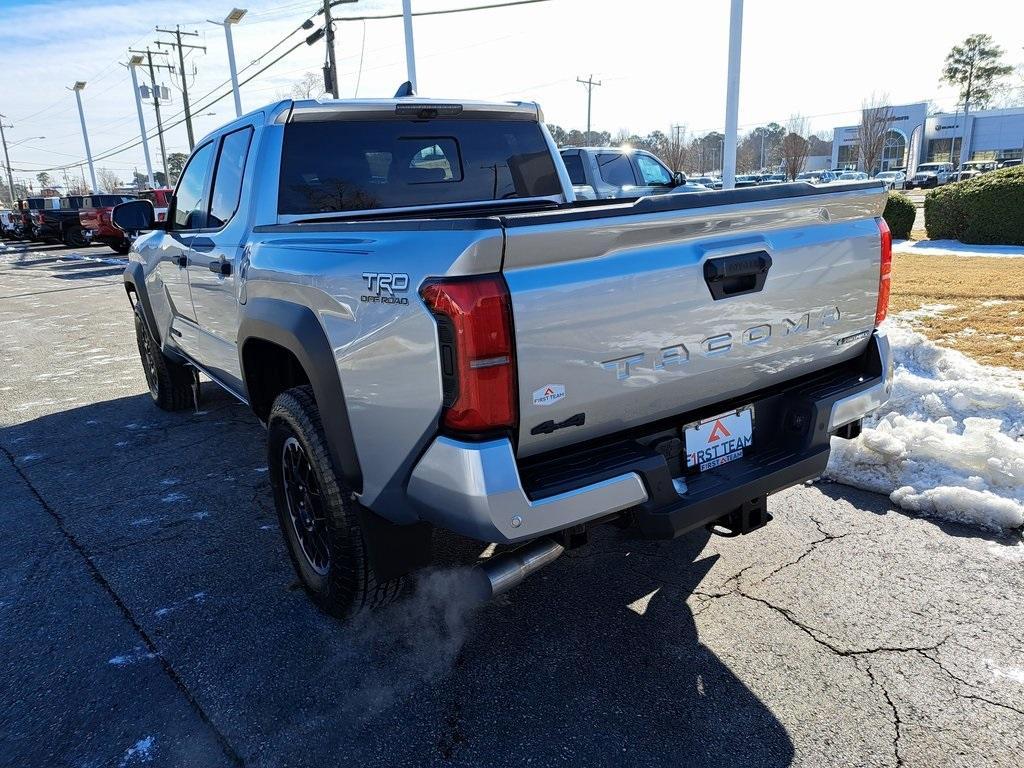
436, 333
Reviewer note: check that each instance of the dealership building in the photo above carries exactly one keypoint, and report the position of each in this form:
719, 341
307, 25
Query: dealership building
916, 137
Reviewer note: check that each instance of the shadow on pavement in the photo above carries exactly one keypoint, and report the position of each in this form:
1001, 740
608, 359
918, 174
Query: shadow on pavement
174, 510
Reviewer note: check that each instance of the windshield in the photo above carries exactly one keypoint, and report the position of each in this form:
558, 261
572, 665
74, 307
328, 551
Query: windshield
395, 163
928, 168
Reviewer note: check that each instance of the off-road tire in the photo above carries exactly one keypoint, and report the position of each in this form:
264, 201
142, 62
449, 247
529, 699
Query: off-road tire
170, 382
348, 586
122, 249
73, 238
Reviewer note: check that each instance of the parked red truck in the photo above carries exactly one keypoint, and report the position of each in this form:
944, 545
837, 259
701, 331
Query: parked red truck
96, 224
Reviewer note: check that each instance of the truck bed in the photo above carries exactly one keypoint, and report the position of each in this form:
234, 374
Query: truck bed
615, 312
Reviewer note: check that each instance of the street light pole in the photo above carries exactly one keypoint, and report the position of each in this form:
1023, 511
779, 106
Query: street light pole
232, 18
732, 97
78, 87
410, 50
156, 103
132, 64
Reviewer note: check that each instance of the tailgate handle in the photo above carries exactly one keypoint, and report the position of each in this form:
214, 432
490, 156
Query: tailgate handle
737, 275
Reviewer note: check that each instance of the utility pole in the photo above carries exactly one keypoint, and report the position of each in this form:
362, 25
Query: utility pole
184, 80
7, 159
156, 102
78, 87
132, 64
331, 70
590, 82
732, 94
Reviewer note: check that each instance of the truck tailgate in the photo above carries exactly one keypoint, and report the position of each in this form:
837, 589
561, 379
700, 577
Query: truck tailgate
631, 313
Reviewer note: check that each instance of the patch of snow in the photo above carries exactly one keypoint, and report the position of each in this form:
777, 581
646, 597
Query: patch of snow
1010, 673
925, 310
950, 441
137, 655
994, 302
956, 248
141, 752
198, 597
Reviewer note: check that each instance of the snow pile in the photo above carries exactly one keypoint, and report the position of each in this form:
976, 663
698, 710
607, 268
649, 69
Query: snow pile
950, 441
956, 248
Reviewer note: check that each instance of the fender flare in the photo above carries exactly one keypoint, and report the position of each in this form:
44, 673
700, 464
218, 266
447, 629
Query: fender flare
297, 329
135, 281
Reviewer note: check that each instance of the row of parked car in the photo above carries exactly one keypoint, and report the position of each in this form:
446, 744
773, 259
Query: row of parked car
75, 220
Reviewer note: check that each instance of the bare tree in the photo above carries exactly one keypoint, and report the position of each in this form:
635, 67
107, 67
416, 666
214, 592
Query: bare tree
875, 122
673, 150
309, 87
795, 147
108, 180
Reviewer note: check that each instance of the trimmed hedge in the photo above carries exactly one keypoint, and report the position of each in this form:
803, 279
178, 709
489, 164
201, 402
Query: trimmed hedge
986, 209
899, 215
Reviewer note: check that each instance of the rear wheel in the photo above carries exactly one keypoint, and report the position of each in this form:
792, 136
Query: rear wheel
170, 383
73, 238
319, 517
122, 248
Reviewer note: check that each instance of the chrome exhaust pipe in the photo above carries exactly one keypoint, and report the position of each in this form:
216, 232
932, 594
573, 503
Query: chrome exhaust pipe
507, 570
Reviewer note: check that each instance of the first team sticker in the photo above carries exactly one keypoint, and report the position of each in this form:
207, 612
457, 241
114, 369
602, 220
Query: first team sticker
549, 394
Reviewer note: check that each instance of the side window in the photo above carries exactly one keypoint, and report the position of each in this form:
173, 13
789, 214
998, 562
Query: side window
188, 197
437, 161
653, 172
616, 169
574, 165
227, 181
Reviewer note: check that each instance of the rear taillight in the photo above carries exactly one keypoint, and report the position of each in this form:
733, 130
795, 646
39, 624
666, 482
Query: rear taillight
478, 371
884, 272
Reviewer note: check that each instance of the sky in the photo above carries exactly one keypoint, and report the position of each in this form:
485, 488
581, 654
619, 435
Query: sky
660, 62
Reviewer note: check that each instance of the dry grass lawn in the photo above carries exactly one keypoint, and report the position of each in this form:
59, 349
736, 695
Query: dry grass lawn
985, 318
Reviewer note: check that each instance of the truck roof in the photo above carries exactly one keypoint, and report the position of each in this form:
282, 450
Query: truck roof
527, 110
289, 110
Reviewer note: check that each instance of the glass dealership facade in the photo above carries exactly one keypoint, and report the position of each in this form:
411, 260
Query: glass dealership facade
916, 137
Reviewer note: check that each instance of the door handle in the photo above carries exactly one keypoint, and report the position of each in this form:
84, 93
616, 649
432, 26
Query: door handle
221, 267
182, 260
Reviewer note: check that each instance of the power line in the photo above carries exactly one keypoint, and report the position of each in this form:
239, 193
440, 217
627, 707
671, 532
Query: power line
117, 151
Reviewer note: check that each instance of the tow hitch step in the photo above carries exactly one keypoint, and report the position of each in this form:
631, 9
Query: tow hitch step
747, 517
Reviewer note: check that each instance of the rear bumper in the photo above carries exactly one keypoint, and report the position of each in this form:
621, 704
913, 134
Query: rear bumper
479, 490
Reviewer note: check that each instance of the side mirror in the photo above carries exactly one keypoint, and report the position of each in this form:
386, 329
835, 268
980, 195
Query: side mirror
678, 178
135, 216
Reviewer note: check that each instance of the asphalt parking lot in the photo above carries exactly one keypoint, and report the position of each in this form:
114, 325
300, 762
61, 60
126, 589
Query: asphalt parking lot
149, 614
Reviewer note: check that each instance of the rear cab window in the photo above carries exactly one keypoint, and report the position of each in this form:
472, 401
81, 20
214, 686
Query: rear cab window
395, 163
574, 165
616, 169
227, 180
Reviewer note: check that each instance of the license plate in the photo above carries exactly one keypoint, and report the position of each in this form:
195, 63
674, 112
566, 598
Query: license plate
719, 440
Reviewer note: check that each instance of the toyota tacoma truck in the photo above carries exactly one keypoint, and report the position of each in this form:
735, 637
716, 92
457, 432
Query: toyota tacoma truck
436, 333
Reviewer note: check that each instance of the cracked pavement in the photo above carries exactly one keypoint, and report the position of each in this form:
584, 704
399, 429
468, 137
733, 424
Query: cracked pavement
149, 614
